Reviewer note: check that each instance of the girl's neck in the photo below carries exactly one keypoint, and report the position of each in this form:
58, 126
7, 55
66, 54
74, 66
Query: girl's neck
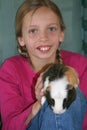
38, 65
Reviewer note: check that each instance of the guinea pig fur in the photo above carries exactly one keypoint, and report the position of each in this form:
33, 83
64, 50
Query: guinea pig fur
60, 82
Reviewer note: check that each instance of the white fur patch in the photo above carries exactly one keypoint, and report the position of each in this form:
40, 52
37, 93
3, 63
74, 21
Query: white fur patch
58, 92
46, 84
58, 88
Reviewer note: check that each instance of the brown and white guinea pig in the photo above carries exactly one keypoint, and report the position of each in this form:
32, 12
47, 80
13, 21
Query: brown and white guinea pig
60, 82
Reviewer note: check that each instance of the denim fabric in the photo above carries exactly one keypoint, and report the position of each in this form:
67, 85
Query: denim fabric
72, 119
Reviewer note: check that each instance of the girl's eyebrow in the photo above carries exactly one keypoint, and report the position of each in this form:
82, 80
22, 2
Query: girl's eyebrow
32, 25
53, 24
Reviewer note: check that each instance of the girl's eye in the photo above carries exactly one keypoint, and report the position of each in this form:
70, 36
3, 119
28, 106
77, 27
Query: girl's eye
32, 31
52, 29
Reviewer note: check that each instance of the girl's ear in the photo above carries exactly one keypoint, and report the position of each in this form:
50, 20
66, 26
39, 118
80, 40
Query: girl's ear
61, 39
21, 41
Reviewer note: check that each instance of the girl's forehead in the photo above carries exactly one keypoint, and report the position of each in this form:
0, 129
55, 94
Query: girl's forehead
44, 13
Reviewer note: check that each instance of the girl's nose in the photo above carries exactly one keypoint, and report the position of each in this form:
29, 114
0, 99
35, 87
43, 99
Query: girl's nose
43, 36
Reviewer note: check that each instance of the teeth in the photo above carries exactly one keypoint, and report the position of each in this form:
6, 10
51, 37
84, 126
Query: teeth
44, 49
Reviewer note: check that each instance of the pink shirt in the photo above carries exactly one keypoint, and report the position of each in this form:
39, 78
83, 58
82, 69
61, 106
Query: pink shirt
17, 81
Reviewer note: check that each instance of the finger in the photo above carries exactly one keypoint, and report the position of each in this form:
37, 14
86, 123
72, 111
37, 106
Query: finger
39, 84
39, 80
38, 88
38, 92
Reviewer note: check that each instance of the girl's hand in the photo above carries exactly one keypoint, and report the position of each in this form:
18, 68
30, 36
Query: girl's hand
35, 109
37, 105
38, 89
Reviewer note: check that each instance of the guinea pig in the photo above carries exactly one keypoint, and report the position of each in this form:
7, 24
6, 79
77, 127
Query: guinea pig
60, 82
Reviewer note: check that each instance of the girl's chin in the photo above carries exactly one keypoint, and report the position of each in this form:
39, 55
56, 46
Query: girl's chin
46, 58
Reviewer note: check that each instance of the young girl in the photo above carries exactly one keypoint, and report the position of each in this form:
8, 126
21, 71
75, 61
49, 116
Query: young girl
40, 32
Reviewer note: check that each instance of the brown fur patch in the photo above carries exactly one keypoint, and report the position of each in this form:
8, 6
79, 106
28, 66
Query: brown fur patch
48, 89
72, 76
45, 68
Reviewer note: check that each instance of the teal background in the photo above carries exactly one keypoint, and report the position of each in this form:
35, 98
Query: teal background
84, 25
71, 11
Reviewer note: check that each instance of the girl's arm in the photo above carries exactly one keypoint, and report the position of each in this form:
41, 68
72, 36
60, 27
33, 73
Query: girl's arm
16, 111
35, 108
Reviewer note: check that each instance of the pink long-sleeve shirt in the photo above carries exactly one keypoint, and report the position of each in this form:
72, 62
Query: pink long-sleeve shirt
17, 81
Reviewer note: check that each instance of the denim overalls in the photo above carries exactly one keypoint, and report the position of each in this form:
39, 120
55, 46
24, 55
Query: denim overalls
72, 119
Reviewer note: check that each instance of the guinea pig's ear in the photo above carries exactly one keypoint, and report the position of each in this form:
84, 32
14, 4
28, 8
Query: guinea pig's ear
72, 76
71, 96
47, 92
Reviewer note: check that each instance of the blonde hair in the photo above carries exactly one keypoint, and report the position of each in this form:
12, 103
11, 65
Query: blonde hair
33, 5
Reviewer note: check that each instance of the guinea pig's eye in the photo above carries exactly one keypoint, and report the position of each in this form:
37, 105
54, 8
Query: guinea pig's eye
64, 103
52, 102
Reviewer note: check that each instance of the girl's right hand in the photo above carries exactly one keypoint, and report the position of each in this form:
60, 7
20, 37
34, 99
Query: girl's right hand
37, 105
38, 89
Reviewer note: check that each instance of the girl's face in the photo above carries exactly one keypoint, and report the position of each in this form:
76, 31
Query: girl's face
41, 34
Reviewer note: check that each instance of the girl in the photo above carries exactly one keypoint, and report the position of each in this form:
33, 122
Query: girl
40, 32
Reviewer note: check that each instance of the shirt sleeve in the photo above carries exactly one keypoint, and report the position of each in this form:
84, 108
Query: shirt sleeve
14, 109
